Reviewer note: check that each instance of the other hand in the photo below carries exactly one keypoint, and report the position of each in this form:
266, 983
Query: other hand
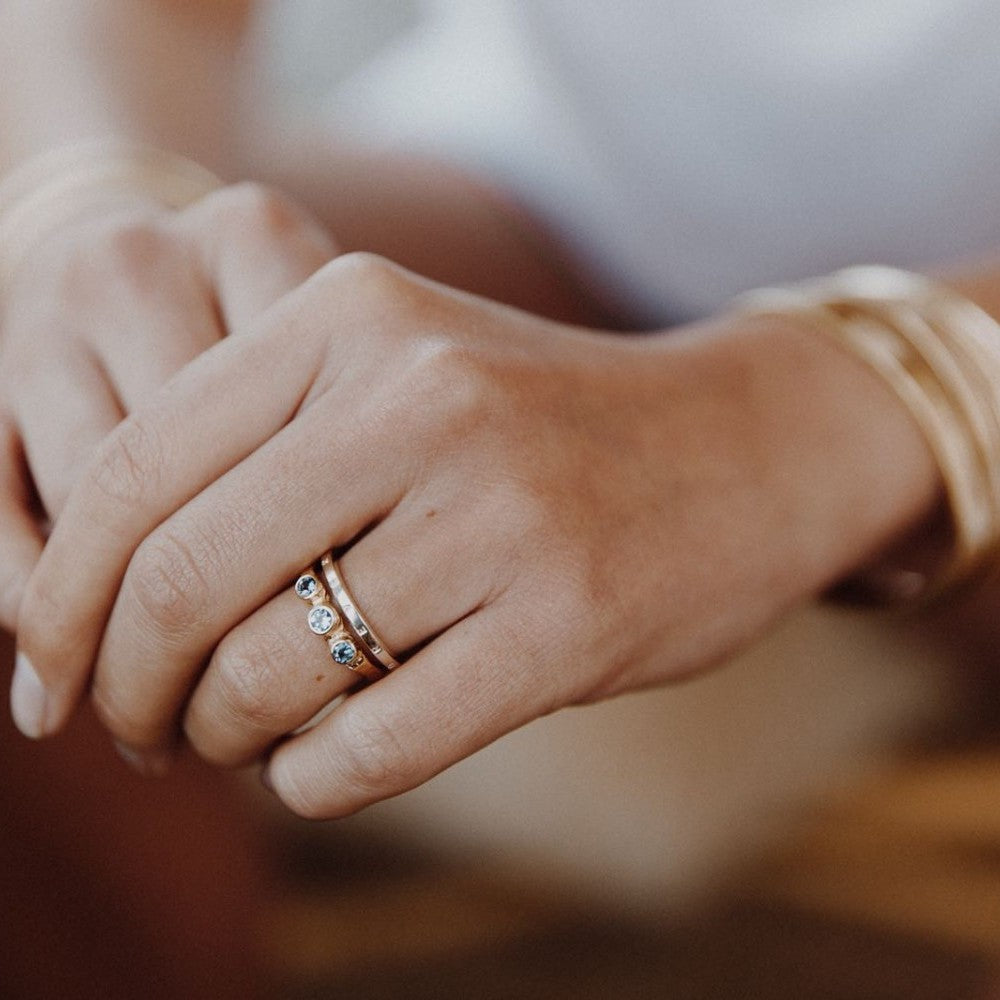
102, 312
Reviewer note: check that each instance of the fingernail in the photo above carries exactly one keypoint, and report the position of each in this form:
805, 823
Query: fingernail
149, 764
265, 778
29, 702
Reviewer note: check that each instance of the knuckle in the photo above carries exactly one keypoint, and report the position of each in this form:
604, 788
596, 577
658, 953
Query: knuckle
584, 598
117, 716
372, 292
248, 682
134, 252
367, 274
125, 466
453, 383
536, 508
359, 762
134, 246
167, 583
259, 206
78, 263
371, 760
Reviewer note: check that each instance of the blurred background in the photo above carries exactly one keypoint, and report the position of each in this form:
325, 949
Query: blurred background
819, 819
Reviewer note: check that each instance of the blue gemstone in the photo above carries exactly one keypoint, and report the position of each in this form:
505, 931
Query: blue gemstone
321, 620
344, 652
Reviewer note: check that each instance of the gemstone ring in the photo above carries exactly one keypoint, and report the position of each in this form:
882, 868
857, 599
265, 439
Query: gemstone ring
325, 621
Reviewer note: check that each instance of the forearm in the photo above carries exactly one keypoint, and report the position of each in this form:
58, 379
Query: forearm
159, 71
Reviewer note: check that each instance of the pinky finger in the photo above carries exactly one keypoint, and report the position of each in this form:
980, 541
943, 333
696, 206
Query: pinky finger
20, 537
456, 696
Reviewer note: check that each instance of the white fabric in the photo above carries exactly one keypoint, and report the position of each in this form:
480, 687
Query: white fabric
689, 149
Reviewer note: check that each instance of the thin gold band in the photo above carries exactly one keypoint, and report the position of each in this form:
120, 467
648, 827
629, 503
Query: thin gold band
356, 622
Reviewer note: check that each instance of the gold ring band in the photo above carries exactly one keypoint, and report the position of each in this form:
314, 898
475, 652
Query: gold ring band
325, 621
356, 623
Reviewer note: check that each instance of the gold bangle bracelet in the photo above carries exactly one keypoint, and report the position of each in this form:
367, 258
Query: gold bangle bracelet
940, 355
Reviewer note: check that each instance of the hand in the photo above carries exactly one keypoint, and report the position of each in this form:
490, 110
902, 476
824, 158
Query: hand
102, 313
540, 516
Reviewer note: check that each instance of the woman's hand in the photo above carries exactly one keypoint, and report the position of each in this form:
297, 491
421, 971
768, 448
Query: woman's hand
102, 313
538, 515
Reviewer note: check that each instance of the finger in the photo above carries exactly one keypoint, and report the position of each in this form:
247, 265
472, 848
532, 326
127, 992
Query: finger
61, 435
477, 681
20, 539
267, 677
427, 565
213, 562
153, 462
151, 334
257, 245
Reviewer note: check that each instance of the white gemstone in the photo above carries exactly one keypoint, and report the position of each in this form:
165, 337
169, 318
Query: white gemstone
306, 586
321, 619
343, 651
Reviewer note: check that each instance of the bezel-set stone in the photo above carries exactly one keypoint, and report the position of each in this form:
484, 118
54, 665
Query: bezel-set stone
306, 586
344, 652
322, 619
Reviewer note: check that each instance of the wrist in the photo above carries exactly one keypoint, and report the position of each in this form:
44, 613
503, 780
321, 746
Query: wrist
846, 469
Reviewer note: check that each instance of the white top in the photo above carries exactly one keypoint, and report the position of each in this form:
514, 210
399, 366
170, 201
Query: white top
690, 149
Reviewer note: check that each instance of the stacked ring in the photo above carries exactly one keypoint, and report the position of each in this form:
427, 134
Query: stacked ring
323, 620
355, 622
